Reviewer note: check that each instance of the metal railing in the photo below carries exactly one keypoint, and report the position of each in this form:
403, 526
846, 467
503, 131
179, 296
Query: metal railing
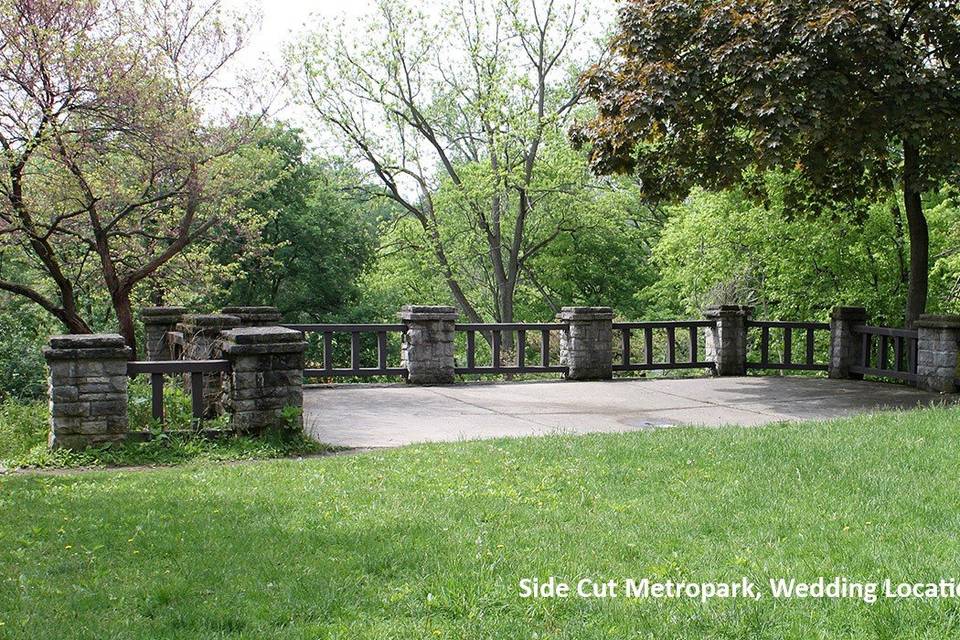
875, 354
328, 366
668, 328
196, 368
787, 361
492, 334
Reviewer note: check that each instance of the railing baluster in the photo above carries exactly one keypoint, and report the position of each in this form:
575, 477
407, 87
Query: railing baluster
787, 345
693, 345
196, 394
671, 345
648, 344
912, 356
471, 349
496, 348
545, 347
382, 350
328, 351
884, 352
521, 348
865, 349
765, 346
625, 346
810, 347
354, 351
156, 396
898, 353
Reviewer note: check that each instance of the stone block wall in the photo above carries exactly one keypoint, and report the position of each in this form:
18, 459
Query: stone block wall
427, 350
938, 353
586, 347
202, 341
726, 341
87, 389
266, 376
157, 322
846, 348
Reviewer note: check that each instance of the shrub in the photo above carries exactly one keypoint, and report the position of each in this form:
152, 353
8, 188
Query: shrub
23, 425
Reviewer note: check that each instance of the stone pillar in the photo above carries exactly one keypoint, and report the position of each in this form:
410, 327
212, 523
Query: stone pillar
846, 348
427, 351
266, 377
255, 316
88, 389
201, 336
157, 322
586, 346
726, 342
938, 353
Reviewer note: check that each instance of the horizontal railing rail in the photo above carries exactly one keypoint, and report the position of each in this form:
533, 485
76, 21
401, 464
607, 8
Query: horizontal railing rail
356, 368
670, 360
808, 360
158, 368
493, 332
875, 352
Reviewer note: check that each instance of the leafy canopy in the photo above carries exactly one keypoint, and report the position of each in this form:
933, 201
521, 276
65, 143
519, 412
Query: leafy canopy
700, 90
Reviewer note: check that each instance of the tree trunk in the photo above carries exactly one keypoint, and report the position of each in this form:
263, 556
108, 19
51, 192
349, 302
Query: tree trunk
919, 235
74, 323
506, 316
123, 308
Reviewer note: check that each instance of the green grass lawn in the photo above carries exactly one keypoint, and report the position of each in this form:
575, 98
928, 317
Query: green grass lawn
431, 541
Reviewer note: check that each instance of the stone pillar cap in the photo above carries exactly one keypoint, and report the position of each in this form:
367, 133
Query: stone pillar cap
106, 346
427, 312
262, 340
250, 309
255, 315
931, 321
262, 335
585, 313
161, 315
728, 310
210, 320
87, 341
161, 311
849, 313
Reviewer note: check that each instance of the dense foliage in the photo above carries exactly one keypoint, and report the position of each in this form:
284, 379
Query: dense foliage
858, 96
725, 248
317, 241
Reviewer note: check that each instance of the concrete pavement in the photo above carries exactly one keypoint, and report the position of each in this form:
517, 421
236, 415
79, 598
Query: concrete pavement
392, 415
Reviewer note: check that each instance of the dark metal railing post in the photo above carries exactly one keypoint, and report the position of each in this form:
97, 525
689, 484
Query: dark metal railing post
521, 348
156, 396
693, 346
471, 349
625, 346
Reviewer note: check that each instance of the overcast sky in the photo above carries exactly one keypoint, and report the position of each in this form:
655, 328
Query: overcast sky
283, 19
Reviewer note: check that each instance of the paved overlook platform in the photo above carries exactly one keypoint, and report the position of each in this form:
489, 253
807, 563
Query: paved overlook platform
392, 415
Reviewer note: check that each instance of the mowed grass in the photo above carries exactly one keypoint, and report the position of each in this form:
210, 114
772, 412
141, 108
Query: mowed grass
431, 541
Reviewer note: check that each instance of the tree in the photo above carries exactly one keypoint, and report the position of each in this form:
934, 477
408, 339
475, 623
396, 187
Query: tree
727, 248
113, 160
319, 237
453, 118
858, 96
